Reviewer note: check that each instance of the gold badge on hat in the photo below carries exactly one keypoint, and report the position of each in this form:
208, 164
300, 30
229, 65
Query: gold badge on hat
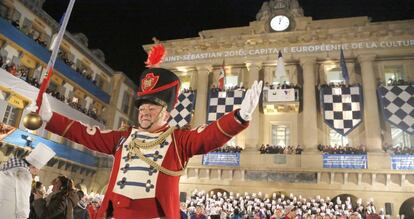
149, 82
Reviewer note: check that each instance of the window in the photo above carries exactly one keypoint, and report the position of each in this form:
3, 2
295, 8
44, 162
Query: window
280, 135
334, 75
121, 122
16, 16
4, 10
231, 81
337, 139
125, 103
53, 86
400, 138
393, 73
11, 115
185, 85
185, 81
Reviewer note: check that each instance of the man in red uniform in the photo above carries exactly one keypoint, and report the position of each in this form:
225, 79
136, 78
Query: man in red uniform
150, 158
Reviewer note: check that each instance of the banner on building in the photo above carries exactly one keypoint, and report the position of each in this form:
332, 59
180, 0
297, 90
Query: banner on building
183, 111
397, 106
222, 102
345, 161
16, 101
402, 162
22, 138
221, 159
342, 108
281, 95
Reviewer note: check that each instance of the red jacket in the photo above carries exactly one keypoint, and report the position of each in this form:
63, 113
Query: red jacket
166, 201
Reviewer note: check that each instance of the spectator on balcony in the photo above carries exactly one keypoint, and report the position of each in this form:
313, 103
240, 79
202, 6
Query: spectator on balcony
15, 23
12, 69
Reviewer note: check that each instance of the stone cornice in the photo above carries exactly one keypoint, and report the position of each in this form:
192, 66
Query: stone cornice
362, 30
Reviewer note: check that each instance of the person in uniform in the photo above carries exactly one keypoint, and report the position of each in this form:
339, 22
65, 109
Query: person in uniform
149, 159
16, 182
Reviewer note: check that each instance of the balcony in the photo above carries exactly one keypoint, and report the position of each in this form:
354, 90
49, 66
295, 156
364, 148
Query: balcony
29, 92
30, 46
280, 100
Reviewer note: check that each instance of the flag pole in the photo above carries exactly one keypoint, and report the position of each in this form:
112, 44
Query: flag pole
50, 64
55, 51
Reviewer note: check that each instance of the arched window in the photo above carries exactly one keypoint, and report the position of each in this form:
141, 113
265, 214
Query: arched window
393, 73
280, 135
334, 75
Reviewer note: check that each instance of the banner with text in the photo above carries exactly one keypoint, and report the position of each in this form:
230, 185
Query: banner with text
280, 95
402, 162
268, 51
221, 159
346, 161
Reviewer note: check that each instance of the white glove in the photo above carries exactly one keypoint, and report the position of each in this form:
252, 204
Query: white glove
45, 110
250, 101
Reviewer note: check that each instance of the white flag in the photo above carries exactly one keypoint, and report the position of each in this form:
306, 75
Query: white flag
280, 69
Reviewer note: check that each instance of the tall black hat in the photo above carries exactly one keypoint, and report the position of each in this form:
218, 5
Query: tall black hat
157, 85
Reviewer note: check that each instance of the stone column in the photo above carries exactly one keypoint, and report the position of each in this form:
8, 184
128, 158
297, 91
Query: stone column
309, 119
371, 114
202, 87
252, 132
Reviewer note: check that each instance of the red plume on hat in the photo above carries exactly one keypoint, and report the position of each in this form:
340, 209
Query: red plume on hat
157, 85
155, 56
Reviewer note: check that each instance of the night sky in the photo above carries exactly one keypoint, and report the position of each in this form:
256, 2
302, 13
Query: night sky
120, 27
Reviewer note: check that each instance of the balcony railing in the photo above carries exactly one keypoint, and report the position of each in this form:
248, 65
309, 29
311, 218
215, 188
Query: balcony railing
32, 47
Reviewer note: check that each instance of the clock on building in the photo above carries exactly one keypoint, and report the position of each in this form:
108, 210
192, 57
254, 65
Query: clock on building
279, 23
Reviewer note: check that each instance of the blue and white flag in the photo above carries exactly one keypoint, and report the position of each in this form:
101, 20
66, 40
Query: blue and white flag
397, 106
222, 102
182, 113
342, 108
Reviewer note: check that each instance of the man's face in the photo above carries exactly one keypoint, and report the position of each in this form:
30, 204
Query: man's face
56, 185
151, 117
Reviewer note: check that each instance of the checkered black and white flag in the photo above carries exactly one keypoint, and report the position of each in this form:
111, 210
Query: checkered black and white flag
342, 108
181, 114
397, 106
222, 102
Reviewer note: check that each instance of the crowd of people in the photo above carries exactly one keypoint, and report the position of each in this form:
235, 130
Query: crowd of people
62, 192
341, 84
188, 90
284, 85
215, 88
399, 82
23, 73
37, 37
278, 149
342, 149
229, 149
398, 150
275, 206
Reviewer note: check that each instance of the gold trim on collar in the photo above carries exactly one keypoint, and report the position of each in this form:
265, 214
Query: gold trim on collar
150, 144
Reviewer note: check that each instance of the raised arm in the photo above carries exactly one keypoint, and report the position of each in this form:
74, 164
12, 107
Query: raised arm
93, 138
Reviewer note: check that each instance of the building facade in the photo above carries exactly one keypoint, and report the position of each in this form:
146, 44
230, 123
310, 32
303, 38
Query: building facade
83, 87
375, 53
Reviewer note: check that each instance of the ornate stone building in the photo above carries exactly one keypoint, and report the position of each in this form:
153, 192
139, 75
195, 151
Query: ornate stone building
83, 87
375, 53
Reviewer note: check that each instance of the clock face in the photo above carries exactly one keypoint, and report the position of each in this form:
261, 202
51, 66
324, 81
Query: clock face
279, 23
